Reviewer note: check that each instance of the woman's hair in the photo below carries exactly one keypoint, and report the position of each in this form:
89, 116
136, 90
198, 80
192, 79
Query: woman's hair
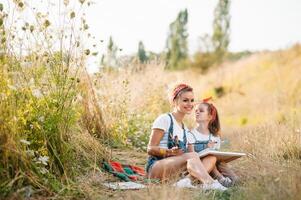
214, 124
180, 89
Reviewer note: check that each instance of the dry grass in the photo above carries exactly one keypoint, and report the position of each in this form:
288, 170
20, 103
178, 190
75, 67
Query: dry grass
259, 114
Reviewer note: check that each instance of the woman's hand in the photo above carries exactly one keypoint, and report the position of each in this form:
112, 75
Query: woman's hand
175, 151
190, 147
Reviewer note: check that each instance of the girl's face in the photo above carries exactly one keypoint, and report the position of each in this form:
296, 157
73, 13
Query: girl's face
184, 103
201, 113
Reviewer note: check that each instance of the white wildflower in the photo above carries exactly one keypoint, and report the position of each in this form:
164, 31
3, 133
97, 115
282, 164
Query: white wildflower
37, 93
12, 87
42, 119
43, 159
25, 142
30, 153
31, 82
43, 170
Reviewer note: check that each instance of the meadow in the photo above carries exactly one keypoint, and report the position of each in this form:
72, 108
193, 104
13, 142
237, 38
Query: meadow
58, 122
259, 109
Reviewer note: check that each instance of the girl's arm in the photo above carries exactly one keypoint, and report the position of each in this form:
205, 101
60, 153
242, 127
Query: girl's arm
154, 149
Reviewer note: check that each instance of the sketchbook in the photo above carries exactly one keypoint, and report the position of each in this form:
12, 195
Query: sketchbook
221, 156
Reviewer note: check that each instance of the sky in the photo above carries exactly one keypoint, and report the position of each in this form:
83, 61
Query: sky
255, 24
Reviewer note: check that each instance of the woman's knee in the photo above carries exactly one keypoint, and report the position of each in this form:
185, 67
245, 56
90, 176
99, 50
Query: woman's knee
190, 163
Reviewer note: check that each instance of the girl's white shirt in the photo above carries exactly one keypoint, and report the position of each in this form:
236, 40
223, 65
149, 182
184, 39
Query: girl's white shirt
194, 135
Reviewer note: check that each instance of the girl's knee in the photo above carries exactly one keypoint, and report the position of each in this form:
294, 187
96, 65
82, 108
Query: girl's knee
211, 158
191, 155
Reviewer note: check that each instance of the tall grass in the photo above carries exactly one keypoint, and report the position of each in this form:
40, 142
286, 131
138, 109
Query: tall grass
42, 146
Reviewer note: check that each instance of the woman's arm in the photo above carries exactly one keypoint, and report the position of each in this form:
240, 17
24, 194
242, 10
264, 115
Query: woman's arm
154, 149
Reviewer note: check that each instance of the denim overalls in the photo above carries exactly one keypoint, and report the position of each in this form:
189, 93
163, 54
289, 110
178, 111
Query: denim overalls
200, 145
172, 142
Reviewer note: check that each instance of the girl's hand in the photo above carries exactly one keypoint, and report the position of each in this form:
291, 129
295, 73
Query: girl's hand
211, 144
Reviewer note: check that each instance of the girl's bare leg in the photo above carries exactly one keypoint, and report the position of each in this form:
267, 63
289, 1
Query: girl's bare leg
167, 167
215, 173
209, 163
226, 171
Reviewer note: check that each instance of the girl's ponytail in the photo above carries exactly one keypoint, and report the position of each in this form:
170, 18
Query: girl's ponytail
214, 124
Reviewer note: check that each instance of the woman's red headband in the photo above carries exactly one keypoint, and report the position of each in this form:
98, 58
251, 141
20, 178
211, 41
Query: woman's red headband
178, 89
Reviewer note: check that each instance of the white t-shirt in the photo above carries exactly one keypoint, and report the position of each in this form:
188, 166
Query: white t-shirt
163, 123
194, 135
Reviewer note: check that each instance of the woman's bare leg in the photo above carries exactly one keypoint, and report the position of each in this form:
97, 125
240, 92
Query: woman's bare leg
197, 170
209, 163
167, 167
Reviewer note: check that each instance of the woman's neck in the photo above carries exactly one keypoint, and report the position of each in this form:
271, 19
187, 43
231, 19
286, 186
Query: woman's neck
178, 116
203, 128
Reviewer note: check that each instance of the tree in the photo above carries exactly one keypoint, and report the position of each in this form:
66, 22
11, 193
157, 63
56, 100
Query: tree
177, 50
141, 53
110, 59
221, 29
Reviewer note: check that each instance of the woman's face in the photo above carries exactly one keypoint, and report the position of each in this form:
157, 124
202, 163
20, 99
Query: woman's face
184, 103
201, 113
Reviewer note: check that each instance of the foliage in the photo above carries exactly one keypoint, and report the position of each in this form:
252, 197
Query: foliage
110, 59
177, 50
203, 61
141, 53
221, 29
38, 102
214, 49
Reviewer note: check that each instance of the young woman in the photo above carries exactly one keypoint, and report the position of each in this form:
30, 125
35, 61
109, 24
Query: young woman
167, 148
207, 135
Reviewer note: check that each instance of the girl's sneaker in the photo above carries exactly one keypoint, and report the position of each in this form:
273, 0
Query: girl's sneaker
225, 181
215, 185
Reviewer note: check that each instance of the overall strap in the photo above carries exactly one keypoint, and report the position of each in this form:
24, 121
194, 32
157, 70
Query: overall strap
210, 136
184, 138
170, 130
171, 141
193, 135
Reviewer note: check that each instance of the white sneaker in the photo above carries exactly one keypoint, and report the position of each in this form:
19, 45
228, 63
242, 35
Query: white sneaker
225, 181
215, 185
184, 183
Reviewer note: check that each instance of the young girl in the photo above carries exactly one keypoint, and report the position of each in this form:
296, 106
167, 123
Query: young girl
207, 135
167, 148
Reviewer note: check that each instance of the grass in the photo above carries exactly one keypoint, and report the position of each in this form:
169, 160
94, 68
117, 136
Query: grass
58, 123
258, 113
